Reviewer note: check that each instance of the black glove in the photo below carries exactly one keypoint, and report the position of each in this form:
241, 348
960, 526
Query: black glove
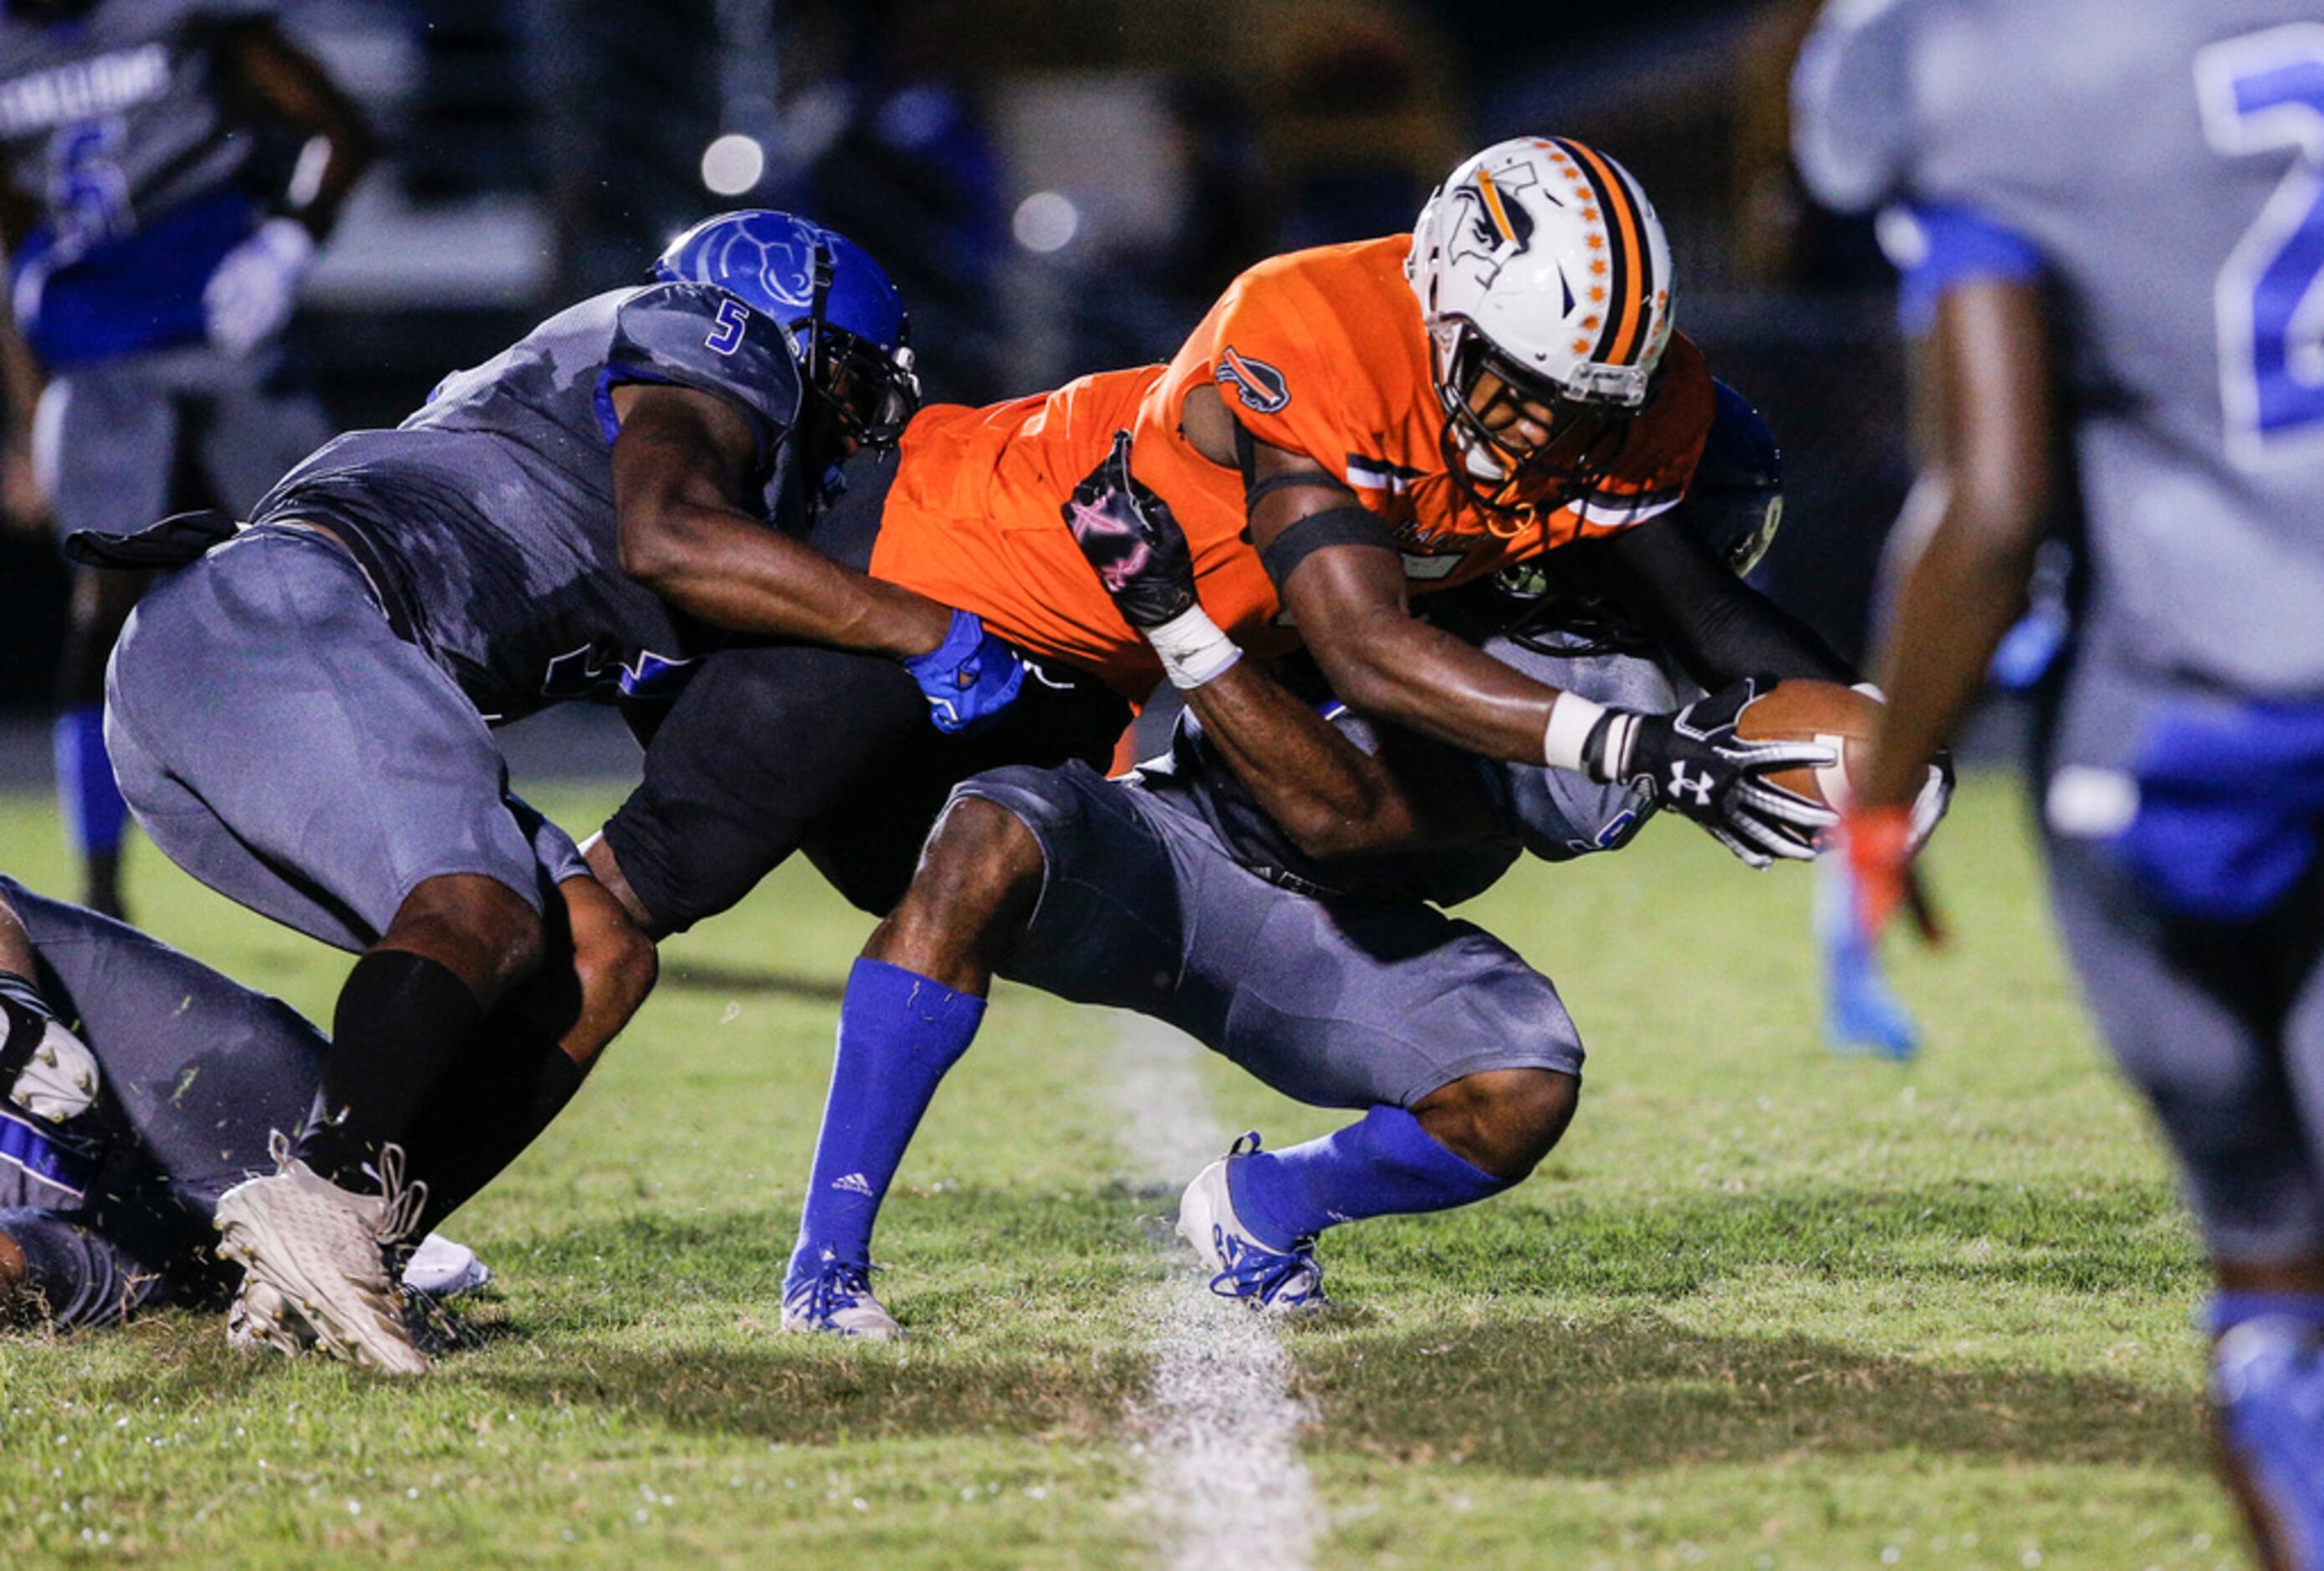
1129, 537
1697, 766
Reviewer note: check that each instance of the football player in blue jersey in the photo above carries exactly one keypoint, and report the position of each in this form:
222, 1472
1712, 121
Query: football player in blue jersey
301, 713
1271, 887
167, 169
2113, 218
136, 1086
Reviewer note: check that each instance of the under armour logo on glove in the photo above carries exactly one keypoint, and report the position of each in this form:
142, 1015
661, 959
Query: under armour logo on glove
1694, 788
1698, 766
1130, 536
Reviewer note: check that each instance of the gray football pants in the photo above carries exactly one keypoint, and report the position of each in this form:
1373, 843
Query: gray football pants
278, 742
198, 1071
1336, 1004
2220, 1025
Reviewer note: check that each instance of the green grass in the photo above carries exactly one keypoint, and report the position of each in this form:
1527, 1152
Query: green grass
1763, 1308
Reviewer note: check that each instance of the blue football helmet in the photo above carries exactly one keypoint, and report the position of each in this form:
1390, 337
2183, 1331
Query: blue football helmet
845, 320
1733, 508
1736, 503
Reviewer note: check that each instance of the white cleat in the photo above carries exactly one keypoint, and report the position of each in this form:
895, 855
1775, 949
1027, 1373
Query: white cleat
837, 1301
1272, 1282
262, 1317
318, 1247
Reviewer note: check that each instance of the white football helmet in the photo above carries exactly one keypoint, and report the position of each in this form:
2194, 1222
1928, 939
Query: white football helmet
1541, 260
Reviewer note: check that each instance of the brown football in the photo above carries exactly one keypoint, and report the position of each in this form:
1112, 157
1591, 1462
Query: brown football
1803, 710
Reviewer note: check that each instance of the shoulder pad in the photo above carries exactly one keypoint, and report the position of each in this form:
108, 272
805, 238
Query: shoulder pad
692, 335
1852, 103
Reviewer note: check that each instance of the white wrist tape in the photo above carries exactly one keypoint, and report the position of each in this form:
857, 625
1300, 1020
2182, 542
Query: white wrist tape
1871, 690
1572, 718
1193, 648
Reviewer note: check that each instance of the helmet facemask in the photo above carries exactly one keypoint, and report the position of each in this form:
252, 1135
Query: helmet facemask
863, 395
1584, 440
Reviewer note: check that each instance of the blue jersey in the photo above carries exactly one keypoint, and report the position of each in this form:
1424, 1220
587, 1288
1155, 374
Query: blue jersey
113, 123
2159, 168
486, 520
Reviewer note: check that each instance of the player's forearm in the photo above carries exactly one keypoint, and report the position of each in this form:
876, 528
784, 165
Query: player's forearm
1989, 384
1398, 670
289, 88
724, 568
22, 380
1329, 795
1960, 598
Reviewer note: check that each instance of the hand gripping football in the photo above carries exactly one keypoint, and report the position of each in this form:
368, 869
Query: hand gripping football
1805, 710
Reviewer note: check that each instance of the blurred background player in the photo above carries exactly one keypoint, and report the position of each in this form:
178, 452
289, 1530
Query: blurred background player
582, 517
169, 167
136, 1086
2117, 217
1271, 886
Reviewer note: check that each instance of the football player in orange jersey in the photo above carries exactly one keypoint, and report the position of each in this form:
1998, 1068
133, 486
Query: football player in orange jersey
1350, 425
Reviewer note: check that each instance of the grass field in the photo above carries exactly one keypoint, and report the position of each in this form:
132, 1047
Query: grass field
1764, 1307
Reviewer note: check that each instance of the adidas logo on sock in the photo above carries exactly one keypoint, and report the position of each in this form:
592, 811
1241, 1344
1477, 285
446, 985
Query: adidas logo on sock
854, 1184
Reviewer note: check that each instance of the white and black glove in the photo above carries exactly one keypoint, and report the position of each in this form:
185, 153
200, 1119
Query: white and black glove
1697, 766
44, 1069
250, 293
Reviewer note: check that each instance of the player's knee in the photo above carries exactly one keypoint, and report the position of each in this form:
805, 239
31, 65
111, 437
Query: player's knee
1503, 1121
618, 964
978, 877
475, 926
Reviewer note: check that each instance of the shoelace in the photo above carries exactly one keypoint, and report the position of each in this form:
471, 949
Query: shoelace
837, 1284
1264, 1274
402, 1200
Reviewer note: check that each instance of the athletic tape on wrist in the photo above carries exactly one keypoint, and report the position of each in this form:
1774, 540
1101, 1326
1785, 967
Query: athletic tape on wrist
1572, 718
1194, 649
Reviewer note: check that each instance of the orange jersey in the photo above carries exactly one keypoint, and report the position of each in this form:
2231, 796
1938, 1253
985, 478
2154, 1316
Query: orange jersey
1321, 353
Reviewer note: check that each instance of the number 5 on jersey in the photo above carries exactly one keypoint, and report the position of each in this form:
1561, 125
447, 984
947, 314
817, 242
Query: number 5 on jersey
734, 321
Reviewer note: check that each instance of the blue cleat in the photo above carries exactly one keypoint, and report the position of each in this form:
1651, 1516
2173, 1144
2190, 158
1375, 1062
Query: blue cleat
2268, 1384
833, 1296
1272, 1282
1861, 1013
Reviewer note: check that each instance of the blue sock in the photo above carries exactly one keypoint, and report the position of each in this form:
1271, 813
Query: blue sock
2228, 1310
93, 809
899, 1033
1384, 1163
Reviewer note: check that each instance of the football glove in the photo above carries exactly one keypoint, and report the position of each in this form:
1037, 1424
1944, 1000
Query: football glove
1697, 767
45, 1069
1130, 536
249, 297
971, 676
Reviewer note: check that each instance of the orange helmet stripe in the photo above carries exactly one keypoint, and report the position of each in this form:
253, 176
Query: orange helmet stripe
1625, 337
1492, 195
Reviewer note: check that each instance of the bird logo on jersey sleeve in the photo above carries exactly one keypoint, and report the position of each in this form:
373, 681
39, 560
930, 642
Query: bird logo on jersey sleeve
1262, 387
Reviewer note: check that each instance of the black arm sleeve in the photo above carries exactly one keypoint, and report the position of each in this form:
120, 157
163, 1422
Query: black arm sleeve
1717, 627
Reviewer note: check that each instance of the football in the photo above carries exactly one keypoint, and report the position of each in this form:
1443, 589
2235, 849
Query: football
1805, 710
